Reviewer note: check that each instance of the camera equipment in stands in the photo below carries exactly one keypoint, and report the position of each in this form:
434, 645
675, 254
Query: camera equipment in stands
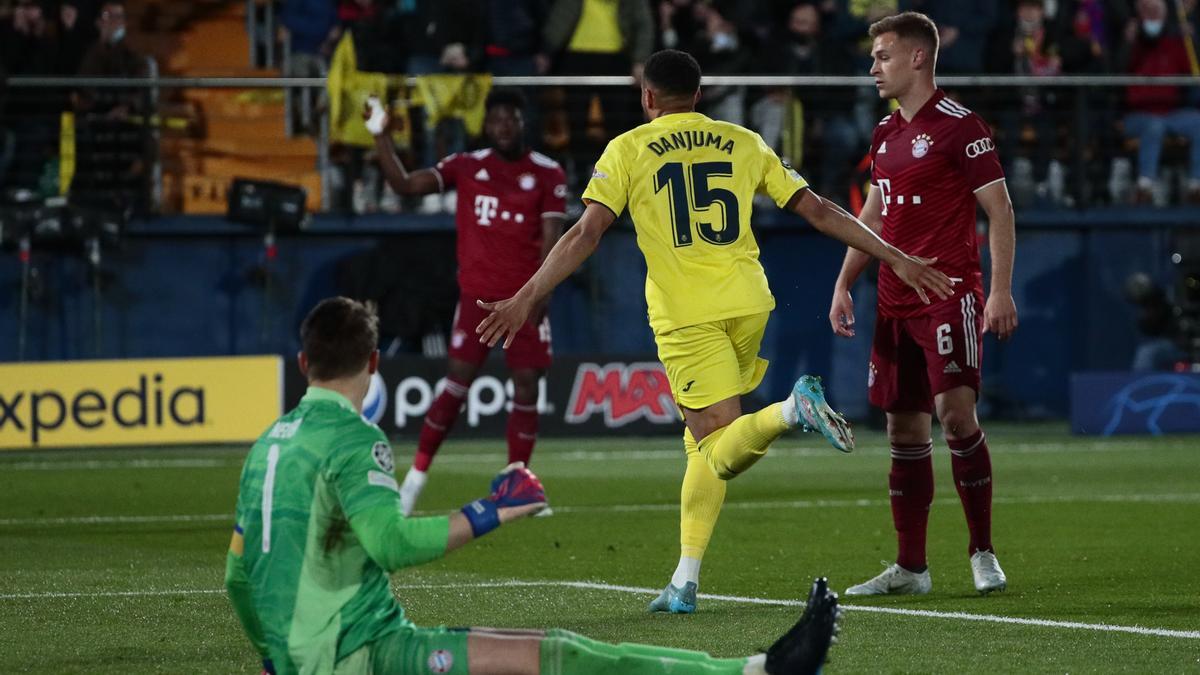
29, 221
1187, 263
1172, 319
273, 206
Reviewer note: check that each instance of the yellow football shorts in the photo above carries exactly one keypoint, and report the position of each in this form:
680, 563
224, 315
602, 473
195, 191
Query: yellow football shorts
710, 362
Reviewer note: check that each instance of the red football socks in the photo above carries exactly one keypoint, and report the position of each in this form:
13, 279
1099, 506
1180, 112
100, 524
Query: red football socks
973, 477
911, 489
522, 432
438, 422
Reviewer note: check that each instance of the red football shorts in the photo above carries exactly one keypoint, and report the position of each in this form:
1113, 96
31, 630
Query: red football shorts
531, 347
913, 360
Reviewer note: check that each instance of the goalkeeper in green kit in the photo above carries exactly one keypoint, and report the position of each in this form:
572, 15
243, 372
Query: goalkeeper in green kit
319, 528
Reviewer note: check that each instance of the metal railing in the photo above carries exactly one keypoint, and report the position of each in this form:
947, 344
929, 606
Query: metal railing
1085, 105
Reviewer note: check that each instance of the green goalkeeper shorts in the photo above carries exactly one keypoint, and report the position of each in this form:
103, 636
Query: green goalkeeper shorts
411, 651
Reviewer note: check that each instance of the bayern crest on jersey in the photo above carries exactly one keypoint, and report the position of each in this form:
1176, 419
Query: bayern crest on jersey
527, 181
440, 661
921, 145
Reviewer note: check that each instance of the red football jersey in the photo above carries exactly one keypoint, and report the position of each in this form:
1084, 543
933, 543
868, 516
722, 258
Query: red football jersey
927, 171
499, 217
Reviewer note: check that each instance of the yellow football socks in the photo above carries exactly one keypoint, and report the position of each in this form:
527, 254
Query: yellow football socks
699, 501
731, 450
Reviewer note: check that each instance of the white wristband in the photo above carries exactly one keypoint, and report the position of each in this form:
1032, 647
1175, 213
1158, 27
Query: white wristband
375, 123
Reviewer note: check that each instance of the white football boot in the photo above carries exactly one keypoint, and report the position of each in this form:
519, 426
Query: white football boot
895, 580
988, 575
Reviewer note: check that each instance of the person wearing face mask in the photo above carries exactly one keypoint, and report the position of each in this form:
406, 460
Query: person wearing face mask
809, 127
1152, 112
110, 135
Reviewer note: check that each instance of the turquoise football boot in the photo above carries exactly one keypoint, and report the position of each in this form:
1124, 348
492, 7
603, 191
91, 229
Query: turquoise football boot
676, 600
816, 415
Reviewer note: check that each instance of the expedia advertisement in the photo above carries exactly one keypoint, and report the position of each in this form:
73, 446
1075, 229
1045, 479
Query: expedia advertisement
138, 402
578, 396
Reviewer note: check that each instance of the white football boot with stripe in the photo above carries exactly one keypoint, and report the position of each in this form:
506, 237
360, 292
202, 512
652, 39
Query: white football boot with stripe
895, 580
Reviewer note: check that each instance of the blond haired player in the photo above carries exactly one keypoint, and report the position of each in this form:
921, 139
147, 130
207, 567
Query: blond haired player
688, 182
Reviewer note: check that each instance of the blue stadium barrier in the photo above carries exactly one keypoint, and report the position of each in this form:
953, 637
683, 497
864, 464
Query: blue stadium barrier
186, 286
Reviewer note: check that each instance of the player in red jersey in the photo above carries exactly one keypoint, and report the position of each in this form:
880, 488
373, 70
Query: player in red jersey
932, 162
510, 212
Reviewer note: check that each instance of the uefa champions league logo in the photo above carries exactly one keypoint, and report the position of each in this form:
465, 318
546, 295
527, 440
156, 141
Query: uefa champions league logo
1150, 399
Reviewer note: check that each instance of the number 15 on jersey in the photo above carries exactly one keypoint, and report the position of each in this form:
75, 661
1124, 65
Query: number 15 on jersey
702, 198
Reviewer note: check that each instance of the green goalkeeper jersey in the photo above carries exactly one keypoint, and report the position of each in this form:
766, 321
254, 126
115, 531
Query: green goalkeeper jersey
312, 491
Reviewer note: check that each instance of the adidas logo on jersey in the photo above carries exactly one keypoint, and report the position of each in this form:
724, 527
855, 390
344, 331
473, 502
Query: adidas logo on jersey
482, 174
951, 369
882, 148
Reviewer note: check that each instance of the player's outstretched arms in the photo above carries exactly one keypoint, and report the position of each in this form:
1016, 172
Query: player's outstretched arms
574, 247
396, 542
831, 219
402, 182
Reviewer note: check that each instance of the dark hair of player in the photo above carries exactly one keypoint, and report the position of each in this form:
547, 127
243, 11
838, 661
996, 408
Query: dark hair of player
512, 98
909, 26
338, 337
672, 73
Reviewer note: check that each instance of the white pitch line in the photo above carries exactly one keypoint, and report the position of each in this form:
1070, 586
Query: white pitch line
109, 594
924, 613
589, 585
1183, 498
118, 520
75, 464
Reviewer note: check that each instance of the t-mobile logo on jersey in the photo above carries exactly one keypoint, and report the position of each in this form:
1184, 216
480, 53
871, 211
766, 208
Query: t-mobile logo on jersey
485, 208
885, 189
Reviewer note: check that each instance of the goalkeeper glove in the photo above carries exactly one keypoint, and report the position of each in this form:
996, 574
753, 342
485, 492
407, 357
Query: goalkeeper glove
514, 486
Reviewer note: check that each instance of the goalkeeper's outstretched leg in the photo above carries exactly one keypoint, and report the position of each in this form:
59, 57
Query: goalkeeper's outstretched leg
801, 650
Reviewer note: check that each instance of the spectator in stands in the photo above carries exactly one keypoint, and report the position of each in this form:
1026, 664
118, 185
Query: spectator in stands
1088, 31
112, 125
809, 122
963, 28
77, 31
444, 36
309, 31
514, 30
708, 33
514, 48
1029, 45
1154, 111
845, 22
28, 47
598, 37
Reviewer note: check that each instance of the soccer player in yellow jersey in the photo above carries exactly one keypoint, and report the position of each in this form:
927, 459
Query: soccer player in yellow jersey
688, 182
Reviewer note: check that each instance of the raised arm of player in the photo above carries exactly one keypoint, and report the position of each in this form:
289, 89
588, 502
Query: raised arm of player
421, 182
841, 310
1000, 311
832, 220
507, 316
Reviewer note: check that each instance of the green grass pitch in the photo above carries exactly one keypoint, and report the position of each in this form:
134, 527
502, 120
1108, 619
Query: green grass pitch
112, 560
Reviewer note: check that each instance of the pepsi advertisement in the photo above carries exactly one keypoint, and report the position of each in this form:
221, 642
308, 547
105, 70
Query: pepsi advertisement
577, 396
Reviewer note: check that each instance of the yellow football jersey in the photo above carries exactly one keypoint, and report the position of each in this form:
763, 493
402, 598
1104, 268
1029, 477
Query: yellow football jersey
688, 182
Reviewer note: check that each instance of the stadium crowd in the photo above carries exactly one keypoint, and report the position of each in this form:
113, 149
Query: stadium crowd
1131, 131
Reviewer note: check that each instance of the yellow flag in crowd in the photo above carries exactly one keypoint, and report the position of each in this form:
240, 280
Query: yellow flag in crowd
460, 96
349, 88
66, 152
